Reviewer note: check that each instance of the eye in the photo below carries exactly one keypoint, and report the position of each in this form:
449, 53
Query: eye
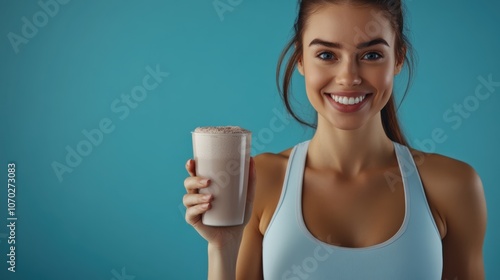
372, 56
326, 56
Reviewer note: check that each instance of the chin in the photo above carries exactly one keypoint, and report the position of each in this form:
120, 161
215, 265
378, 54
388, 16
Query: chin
346, 123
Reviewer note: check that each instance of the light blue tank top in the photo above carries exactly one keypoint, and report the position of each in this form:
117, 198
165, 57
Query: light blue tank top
291, 252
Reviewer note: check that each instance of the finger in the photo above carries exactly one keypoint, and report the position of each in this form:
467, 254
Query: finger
193, 184
190, 200
193, 214
190, 167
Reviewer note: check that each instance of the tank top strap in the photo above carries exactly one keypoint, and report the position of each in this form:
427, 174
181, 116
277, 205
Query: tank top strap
417, 205
291, 186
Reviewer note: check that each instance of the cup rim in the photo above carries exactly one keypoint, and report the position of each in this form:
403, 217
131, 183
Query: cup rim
222, 134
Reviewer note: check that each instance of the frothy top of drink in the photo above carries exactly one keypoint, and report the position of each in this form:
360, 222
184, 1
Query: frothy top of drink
221, 130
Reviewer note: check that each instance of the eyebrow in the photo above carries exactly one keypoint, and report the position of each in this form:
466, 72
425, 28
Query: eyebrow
339, 46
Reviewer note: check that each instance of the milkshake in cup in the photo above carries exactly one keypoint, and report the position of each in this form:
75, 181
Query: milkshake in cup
222, 154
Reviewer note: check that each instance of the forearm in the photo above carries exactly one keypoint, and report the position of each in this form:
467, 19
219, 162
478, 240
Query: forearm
222, 262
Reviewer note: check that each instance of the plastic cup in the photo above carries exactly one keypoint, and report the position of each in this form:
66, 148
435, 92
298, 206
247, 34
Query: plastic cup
222, 154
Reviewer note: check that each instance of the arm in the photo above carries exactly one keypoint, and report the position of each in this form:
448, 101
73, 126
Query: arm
223, 242
245, 263
464, 211
271, 169
249, 264
250, 256
222, 262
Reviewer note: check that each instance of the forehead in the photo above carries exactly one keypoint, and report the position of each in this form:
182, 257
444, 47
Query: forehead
348, 24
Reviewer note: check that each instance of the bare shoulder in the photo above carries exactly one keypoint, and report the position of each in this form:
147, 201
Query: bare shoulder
445, 170
270, 166
451, 186
271, 169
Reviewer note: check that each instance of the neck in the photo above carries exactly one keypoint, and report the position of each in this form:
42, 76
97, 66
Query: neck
349, 151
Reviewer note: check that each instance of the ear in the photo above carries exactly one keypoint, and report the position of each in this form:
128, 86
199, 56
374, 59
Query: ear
300, 63
300, 66
400, 60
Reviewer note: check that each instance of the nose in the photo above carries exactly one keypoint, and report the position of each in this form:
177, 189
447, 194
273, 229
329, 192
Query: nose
347, 73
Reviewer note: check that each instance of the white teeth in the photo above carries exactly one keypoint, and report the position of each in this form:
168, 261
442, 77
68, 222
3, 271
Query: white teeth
347, 101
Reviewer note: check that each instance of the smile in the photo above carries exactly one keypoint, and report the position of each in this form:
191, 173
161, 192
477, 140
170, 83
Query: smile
348, 104
344, 100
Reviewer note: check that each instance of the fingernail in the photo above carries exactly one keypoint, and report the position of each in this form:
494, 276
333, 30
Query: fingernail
206, 197
187, 163
203, 182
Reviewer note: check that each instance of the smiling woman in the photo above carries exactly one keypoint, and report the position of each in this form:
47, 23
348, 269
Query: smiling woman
326, 208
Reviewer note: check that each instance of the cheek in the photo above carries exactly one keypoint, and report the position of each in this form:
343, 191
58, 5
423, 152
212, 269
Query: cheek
382, 79
316, 78
388, 81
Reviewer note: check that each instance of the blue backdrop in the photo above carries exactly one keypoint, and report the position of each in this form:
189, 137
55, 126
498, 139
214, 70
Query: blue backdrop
98, 99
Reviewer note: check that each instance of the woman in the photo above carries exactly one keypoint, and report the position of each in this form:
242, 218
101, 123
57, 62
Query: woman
353, 202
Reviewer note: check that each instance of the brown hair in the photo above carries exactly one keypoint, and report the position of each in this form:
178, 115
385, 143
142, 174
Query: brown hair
394, 11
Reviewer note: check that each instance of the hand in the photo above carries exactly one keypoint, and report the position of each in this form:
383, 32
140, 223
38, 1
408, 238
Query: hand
197, 204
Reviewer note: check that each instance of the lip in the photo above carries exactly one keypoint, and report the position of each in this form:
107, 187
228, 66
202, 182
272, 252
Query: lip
348, 108
349, 93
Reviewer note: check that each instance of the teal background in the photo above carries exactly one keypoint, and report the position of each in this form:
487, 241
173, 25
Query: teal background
119, 213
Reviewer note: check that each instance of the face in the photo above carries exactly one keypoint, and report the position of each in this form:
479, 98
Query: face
349, 63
